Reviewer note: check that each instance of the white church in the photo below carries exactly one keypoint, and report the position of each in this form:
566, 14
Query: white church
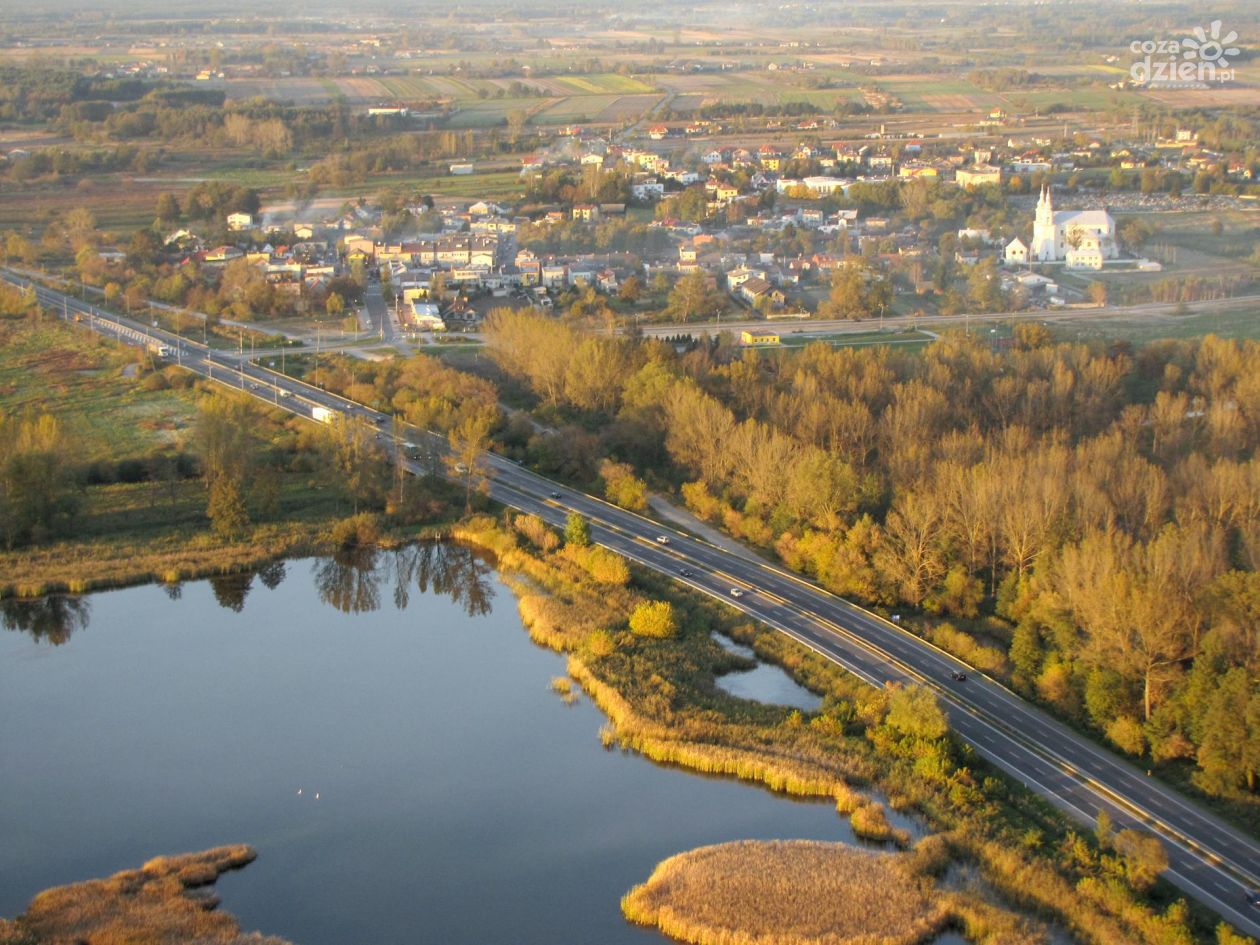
1080, 239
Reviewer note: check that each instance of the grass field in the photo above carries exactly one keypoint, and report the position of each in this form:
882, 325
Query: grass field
1147, 328
52, 366
493, 186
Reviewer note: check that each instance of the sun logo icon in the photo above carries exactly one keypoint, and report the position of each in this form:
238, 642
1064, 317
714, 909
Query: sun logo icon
1209, 46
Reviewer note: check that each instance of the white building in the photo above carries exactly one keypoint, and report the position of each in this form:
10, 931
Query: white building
1080, 238
1016, 252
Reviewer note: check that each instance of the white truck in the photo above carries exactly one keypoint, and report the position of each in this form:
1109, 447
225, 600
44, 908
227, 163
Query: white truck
323, 414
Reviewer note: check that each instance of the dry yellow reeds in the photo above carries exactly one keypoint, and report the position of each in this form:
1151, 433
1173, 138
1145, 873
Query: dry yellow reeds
158, 904
794, 892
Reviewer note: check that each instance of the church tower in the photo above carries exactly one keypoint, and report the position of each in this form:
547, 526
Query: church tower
1045, 234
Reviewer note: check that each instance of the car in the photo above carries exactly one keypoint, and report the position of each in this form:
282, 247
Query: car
1253, 898
737, 592
285, 393
553, 495
957, 676
686, 572
896, 618
662, 539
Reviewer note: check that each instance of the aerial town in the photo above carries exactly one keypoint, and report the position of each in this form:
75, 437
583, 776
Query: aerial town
513, 474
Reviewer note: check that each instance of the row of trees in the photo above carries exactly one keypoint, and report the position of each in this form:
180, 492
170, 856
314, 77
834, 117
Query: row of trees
1103, 503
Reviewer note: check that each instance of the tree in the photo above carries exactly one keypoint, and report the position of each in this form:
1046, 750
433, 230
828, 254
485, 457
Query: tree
334, 305
848, 292
358, 461
1143, 856
654, 619
631, 290
691, 297
576, 531
915, 711
469, 441
37, 478
224, 441
168, 209
1098, 293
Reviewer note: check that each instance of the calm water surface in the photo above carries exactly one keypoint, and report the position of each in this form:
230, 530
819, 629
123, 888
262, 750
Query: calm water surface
446, 794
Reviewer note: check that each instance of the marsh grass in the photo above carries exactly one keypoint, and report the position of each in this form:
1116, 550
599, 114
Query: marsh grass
661, 700
795, 892
563, 687
165, 902
135, 533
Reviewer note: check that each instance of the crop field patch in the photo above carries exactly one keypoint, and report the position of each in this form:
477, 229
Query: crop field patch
575, 108
628, 107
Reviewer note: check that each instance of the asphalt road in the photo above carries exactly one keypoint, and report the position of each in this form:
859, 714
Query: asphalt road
378, 312
813, 326
1209, 860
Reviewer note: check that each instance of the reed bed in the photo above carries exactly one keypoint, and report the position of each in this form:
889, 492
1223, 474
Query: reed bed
795, 892
165, 902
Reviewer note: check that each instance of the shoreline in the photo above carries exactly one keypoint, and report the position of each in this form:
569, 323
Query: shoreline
660, 701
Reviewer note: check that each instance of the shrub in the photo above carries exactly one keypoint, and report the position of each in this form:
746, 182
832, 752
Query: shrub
357, 531
915, 711
1126, 734
576, 531
537, 531
622, 487
654, 619
1144, 857
607, 567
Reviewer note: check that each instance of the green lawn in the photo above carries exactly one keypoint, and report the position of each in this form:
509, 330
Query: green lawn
1241, 325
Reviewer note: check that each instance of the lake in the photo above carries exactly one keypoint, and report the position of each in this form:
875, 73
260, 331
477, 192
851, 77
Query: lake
380, 729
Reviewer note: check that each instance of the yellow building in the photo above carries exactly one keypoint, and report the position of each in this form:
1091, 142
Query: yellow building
750, 339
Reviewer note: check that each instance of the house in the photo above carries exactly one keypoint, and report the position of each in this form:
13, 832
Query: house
222, 254
823, 186
720, 192
713, 157
755, 289
978, 175
555, 276
658, 132
240, 221
647, 190
912, 170
587, 212
760, 339
737, 277
686, 257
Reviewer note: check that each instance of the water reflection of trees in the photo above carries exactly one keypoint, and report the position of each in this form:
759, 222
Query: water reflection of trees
351, 581
230, 590
53, 618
